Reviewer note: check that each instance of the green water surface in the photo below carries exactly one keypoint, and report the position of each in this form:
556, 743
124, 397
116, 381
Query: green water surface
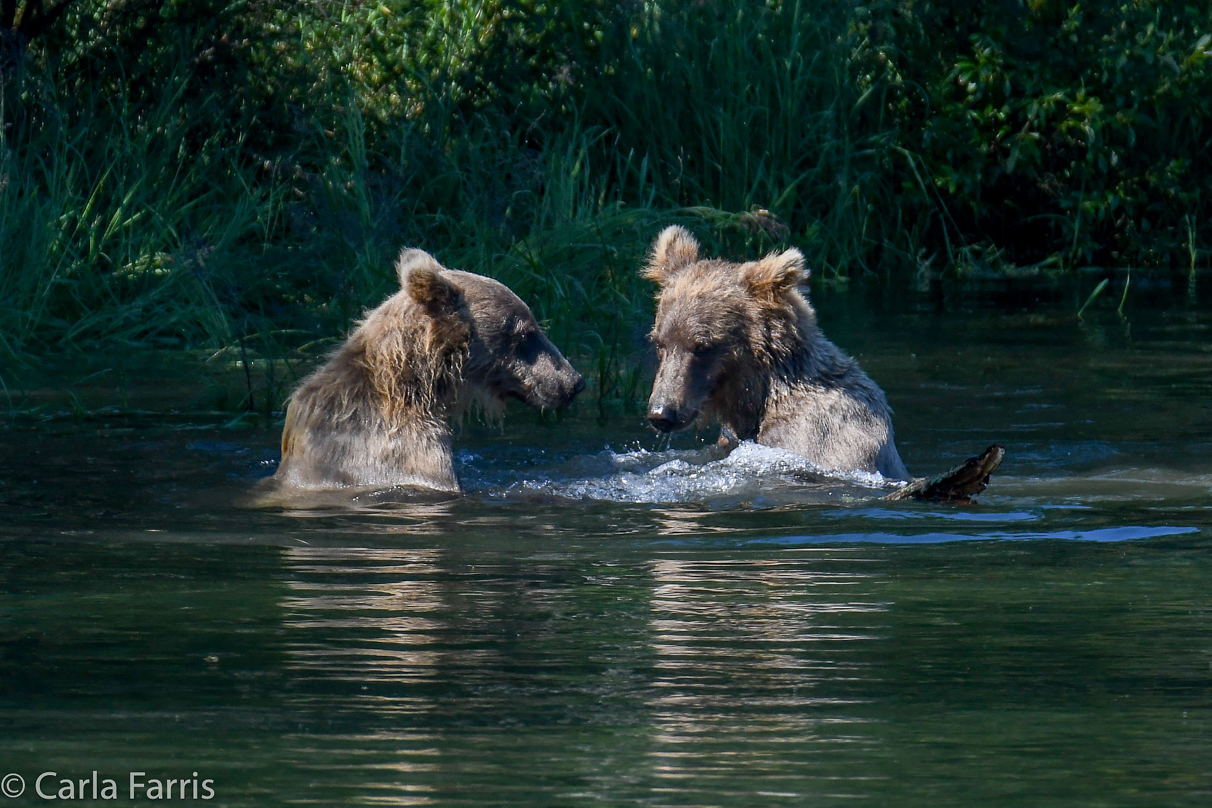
1049, 646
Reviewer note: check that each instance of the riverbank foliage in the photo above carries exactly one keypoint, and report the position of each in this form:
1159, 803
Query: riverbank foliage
239, 174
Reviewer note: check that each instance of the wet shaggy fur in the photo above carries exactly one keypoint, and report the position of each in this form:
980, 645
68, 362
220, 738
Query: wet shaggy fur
739, 343
378, 412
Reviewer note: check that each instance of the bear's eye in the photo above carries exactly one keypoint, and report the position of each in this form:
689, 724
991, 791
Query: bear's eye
703, 348
526, 345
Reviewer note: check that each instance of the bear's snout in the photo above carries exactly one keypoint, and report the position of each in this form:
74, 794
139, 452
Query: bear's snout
678, 391
570, 386
663, 417
551, 381
667, 418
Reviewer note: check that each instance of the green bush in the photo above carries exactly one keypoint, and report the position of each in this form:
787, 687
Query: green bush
239, 173
1057, 130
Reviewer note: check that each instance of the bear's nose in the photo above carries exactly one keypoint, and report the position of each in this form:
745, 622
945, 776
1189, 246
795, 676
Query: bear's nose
663, 417
579, 386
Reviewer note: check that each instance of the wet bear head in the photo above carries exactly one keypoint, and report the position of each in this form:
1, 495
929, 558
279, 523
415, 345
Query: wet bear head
507, 353
721, 328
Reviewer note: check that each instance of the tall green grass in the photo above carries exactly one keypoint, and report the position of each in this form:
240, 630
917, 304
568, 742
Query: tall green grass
237, 178
115, 231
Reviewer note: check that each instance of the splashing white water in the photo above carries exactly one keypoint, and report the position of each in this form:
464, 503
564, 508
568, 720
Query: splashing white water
750, 471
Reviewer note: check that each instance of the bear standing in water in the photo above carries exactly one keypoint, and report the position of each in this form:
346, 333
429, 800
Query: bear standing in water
740, 344
377, 412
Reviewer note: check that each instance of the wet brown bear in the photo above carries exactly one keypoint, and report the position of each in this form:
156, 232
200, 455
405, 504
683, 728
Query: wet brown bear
740, 344
377, 413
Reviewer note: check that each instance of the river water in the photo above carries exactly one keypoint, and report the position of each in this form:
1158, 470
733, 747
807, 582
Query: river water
607, 619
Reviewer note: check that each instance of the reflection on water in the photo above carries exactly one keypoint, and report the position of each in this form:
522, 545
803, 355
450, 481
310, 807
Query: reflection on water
394, 608
755, 663
734, 673
604, 619
371, 619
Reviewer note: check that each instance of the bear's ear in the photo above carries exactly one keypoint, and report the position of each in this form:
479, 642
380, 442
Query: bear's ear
674, 250
776, 274
426, 285
411, 259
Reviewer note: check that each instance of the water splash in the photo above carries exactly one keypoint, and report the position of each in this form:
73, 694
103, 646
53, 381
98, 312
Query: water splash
751, 472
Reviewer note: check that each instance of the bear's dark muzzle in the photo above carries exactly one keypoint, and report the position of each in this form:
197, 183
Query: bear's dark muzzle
569, 391
667, 418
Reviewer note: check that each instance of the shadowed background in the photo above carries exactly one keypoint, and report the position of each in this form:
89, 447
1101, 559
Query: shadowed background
237, 176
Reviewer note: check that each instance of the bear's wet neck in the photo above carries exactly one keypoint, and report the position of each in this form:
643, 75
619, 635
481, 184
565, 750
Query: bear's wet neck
739, 402
414, 396
814, 360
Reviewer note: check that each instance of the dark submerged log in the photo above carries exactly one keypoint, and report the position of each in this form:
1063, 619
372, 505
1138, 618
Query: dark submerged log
959, 484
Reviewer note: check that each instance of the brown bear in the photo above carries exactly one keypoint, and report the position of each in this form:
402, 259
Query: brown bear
378, 412
739, 343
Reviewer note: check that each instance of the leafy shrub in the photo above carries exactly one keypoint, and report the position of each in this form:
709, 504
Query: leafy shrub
223, 172
1057, 129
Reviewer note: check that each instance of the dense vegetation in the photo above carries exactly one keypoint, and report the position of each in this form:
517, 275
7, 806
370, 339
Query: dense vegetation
239, 174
